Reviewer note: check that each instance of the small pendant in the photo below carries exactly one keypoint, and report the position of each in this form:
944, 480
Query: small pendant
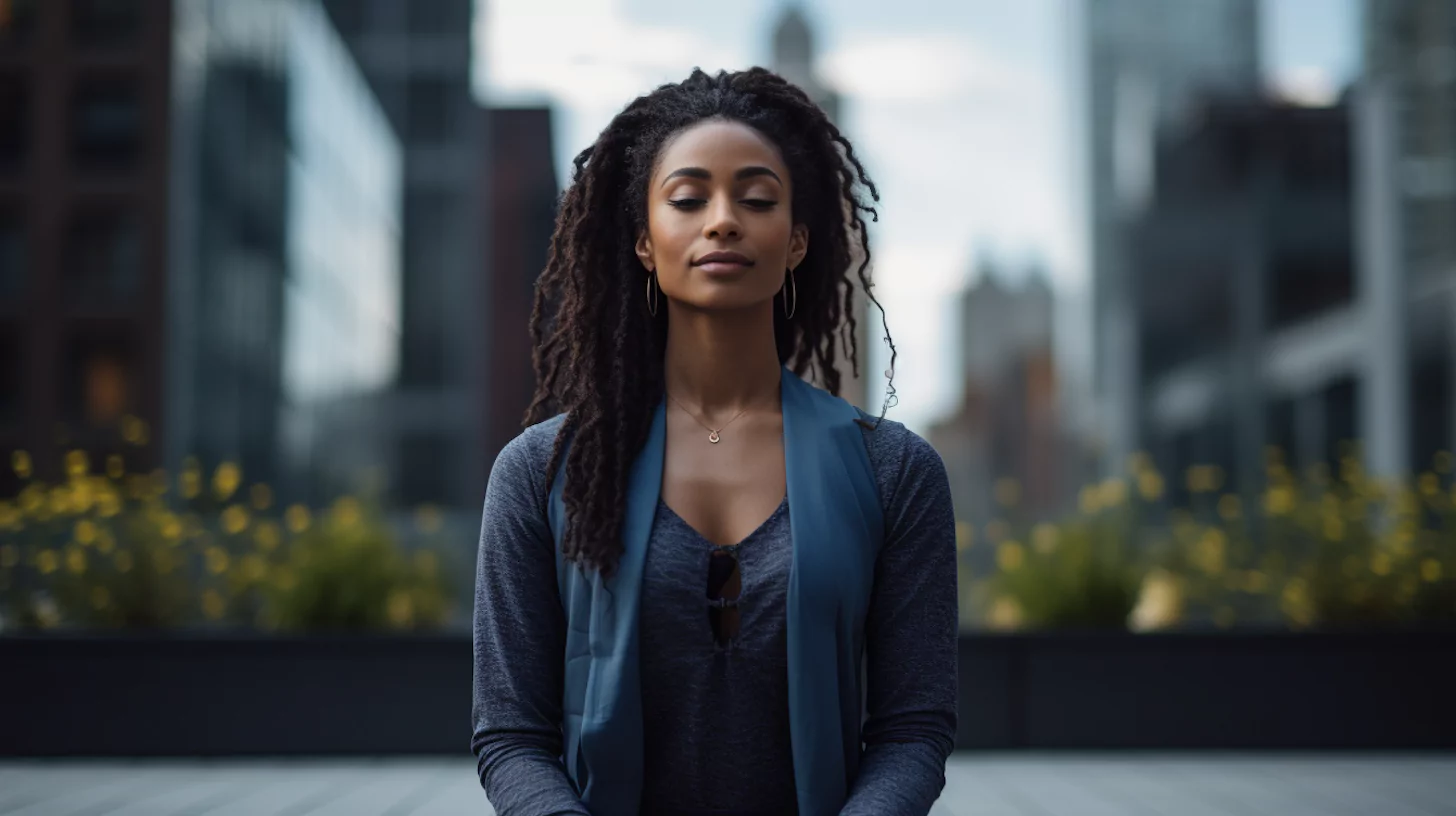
713, 437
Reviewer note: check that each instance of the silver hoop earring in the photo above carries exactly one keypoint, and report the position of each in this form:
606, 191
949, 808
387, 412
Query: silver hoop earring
652, 293
791, 293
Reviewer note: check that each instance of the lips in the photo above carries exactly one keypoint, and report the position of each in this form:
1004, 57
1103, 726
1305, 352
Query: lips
723, 260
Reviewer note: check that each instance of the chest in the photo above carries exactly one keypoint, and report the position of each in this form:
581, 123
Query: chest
724, 490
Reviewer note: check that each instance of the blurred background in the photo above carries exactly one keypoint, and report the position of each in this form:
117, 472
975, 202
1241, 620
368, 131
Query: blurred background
1173, 284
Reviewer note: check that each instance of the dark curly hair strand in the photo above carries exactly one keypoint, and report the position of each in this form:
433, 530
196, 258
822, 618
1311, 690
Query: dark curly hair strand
598, 352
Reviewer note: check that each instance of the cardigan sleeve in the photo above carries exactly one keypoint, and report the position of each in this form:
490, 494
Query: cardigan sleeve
910, 634
519, 640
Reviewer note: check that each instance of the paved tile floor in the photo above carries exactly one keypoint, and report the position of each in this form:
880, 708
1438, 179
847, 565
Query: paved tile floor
977, 785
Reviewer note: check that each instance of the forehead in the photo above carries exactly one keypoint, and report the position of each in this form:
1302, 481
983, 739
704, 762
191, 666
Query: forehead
716, 145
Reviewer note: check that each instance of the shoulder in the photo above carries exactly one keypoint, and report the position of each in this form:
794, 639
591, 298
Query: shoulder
904, 463
521, 465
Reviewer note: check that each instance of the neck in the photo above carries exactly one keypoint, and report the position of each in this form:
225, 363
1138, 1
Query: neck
718, 363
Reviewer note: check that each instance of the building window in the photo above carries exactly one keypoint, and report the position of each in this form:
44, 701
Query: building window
103, 257
105, 22
17, 21
12, 255
438, 16
434, 106
98, 377
14, 120
106, 123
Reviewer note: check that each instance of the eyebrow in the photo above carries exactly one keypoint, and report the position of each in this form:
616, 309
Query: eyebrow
700, 173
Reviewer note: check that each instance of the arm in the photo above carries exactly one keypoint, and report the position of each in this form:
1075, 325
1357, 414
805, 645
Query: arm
910, 634
520, 637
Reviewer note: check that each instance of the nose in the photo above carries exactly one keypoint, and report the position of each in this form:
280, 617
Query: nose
722, 221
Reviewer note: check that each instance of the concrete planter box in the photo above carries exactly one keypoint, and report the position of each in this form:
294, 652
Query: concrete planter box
176, 695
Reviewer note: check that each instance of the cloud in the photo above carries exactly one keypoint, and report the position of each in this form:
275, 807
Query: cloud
921, 69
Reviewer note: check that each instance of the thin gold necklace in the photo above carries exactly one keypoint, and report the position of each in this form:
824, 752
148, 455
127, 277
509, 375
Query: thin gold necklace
713, 435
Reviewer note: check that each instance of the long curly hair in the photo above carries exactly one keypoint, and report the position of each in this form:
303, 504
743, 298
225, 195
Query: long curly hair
598, 351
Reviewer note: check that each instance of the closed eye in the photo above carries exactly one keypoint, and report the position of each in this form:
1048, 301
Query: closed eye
694, 203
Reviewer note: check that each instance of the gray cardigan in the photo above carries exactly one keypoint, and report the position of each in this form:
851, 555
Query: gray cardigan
716, 721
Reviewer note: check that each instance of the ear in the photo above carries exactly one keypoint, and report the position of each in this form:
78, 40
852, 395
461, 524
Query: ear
798, 245
644, 251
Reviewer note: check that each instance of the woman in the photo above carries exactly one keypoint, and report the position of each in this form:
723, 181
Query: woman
681, 572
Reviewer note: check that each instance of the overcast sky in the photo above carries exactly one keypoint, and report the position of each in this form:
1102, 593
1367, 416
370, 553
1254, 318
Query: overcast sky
963, 111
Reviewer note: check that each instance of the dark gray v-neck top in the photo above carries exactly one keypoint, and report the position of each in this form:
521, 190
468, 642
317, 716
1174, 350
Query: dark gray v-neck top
716, 720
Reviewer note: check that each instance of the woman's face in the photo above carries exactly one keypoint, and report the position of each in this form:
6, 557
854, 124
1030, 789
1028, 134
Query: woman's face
720, 190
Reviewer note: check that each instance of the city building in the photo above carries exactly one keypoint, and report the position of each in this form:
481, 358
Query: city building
199, 240
1148, 64
284, 279
1007, 429
84, 92
1405, 128
521, 191
417, 57
1247, 297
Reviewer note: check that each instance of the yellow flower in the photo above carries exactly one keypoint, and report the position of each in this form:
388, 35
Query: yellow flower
9, 555
1431, 570
75, 560
189, 483
123, 560
82, 496
1005, 614
254, 567
1044, 538
1008, 492
60, 501
297, 518
1230, 508
217, 560
134, 430
171, 528
115, 466
46, 562
1089, 500
1150, 485
965, 536
1278, 501
1159, 604
346, 512
234, 519
108, 503
1211, 550
401, 608
1380, 564
85, 532
1429, 485
212, 604
77, 464
32, 499
225, 480
1009, 556
428, 518
9, 515
100, 598
21, 464
1114, 492
1295, 602
266, 536
426, 562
